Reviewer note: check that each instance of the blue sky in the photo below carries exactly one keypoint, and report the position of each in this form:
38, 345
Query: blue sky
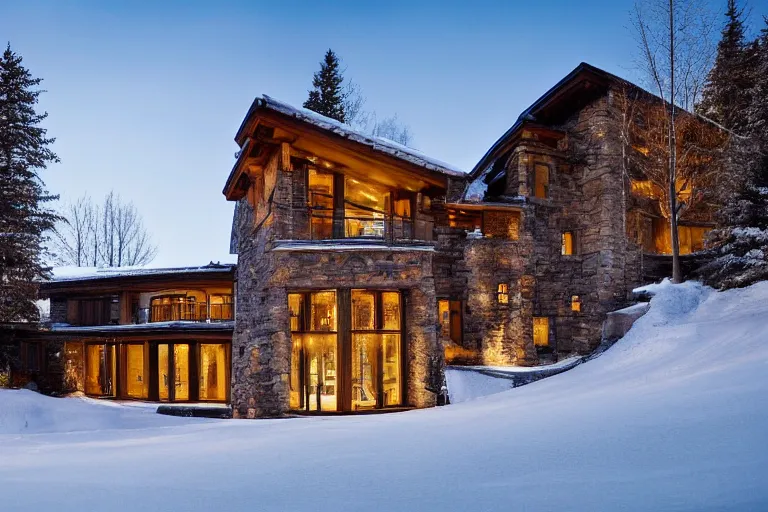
145, 97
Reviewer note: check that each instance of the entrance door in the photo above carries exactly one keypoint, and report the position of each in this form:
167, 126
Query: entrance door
376, 340
173, 371
314, 357
101, 370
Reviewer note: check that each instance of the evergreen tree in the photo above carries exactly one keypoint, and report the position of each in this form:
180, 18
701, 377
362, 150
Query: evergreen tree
24, 221
726, 92
741, 243
327, 96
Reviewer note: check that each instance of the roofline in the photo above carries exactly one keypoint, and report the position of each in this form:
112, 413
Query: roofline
216, 271
265, 102
535, 105
547, 96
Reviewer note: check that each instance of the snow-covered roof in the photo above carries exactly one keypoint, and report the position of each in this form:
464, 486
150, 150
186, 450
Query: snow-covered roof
66, 274
173, 325
380, 144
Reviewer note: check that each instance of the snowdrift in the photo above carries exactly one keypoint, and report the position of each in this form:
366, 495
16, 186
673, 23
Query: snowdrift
672, 418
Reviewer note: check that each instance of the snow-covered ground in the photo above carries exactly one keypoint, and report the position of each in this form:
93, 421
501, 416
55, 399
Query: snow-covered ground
673, 417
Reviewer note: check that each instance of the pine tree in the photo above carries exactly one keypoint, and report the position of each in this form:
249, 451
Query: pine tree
24, 221
726, 92
327, 96
741, 242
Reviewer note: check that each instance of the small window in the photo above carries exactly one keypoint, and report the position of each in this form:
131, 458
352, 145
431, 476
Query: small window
575, 303
541, 181
566, 245
502, 293
541, 331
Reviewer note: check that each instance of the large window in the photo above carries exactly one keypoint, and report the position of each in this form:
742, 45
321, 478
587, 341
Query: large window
375, 349
346, 351
101, 370
213, 371
177, 307
363, 209
136, 371
314, 358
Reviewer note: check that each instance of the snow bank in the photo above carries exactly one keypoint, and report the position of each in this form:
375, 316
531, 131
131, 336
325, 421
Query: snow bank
27, 412
464, 385
672, 418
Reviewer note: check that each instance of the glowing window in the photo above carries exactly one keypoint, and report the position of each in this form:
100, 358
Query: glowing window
566, 245
320, 200
502, 293
575, 303
541, 331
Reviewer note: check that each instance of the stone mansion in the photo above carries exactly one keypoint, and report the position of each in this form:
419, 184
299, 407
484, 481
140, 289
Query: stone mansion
364, 267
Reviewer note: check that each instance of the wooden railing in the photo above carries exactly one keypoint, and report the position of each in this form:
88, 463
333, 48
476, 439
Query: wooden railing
190, 311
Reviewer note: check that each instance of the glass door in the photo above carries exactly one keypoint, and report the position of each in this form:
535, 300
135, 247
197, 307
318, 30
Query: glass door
376, 362
314, 355
173, 371
101, 370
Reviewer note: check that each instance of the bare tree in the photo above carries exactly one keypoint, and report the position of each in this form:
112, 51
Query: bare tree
390, 128
676, 51
111, 234
367, 121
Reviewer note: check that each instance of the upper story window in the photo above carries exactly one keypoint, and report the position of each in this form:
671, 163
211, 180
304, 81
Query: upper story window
363, 208
541, 181
366, 208
176, 307
320, 199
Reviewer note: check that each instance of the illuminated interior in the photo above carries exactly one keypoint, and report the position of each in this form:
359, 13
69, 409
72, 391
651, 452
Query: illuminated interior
690, 238
101, 369
371, 370
314, 355
502, 293
136, 374
213, 371
165, 371
541, 181
566, 246
321, 204
449, 313
541, 331
575, 303
178, 380
366, 206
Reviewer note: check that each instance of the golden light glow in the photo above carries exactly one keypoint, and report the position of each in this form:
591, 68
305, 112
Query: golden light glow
541, 331
566, 246
213, 371
575, 303
136, 377
502, 293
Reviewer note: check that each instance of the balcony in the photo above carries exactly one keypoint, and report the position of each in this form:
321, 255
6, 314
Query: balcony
191, 312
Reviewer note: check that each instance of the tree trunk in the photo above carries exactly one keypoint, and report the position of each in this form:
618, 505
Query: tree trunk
677, 275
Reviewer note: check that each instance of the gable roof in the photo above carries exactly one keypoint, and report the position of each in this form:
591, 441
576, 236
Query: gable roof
552, 104
379, 145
